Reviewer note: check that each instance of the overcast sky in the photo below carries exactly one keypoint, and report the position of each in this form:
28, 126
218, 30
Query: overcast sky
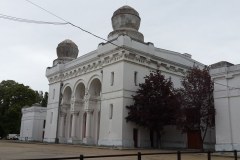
209, 30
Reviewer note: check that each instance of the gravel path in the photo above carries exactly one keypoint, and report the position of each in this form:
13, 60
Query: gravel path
15, 150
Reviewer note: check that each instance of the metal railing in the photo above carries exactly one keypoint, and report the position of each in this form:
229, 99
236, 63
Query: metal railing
139, 155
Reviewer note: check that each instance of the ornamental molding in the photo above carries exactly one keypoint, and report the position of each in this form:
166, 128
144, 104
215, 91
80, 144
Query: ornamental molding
136, 57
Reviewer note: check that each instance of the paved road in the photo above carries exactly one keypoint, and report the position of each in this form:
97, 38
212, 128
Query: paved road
13, 150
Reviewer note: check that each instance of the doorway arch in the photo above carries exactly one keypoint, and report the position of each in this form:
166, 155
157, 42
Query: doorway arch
93, 110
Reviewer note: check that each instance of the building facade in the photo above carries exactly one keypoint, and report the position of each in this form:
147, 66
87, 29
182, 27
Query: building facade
33, 123
88, 95
226, 77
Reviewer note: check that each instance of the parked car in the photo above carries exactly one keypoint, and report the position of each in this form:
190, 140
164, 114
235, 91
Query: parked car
13, 136
16, 137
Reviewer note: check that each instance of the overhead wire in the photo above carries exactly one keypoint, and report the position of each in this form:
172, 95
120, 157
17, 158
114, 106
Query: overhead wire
67, 22
76, 26
84, 30
46, 10
3, 16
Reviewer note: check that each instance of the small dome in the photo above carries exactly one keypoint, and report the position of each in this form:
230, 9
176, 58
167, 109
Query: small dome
67, 49
126, 17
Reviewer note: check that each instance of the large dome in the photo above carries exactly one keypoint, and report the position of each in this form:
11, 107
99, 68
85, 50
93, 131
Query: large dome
126, 17
67, 49
126, 21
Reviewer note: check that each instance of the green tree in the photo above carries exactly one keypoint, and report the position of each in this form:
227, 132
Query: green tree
197, 104
13, 96
154, 105
44, 100
39, 96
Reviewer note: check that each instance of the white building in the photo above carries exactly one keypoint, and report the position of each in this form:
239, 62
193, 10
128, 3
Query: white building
33, 123
88, 95
226, 78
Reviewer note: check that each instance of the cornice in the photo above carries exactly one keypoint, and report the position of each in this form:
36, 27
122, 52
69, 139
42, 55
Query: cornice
117, 55
34, 109
225, 72
178, 54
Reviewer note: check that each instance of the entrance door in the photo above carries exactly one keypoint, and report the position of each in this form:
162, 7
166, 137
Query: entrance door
194, 140
135, 137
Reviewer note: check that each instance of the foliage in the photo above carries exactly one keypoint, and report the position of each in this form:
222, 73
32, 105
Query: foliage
14, 96
41, 99
197, 104
44, 100
155, 103
39, 96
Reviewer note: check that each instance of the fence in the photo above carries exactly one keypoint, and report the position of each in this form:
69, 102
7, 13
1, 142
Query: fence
139, 155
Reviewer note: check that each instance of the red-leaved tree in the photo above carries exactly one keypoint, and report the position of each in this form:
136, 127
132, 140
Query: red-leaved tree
154, 105
197, 104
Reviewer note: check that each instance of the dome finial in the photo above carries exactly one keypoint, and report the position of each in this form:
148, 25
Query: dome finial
126, 20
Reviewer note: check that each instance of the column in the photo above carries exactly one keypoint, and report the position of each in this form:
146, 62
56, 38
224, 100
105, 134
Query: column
88, 124
74, 119
61, 123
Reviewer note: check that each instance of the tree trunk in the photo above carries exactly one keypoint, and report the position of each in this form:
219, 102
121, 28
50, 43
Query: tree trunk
204, 135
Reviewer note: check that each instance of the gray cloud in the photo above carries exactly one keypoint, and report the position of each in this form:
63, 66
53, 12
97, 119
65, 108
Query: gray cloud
209, 30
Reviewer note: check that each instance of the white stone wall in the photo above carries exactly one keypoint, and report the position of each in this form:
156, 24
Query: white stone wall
32, 123
99, 64
172, 136
227, 100
52, 113
112, 95
129, 88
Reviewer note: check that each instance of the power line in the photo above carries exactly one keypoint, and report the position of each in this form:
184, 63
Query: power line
84, 30
97, 36
67, 22
46, 11
76, 26
3, 16
93, 34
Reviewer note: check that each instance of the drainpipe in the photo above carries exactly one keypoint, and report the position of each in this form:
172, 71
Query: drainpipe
99, 115
59, 103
